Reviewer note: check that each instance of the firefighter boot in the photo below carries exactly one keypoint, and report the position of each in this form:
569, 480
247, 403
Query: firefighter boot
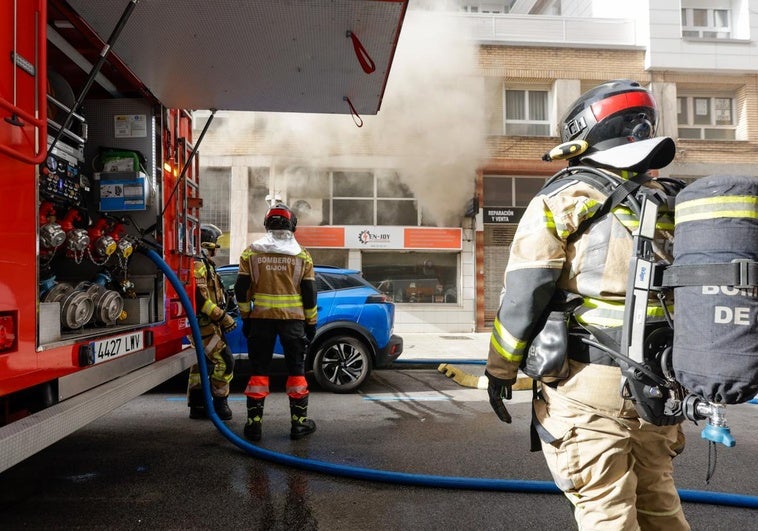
221, 407
196, 404
302, 426
254, 418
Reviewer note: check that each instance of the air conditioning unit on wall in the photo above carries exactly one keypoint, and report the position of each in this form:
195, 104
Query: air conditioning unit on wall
309, 210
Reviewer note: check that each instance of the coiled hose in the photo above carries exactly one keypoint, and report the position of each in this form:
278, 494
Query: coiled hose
385, 476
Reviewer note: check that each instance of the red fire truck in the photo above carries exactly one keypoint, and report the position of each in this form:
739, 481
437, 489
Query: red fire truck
97, 162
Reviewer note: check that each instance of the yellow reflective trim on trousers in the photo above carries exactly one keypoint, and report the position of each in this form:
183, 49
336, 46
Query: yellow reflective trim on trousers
733, 206
505, 344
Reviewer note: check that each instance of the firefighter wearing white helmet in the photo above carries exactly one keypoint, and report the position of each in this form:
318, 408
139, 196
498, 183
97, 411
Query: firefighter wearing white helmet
276, 290
214, 322
567, 272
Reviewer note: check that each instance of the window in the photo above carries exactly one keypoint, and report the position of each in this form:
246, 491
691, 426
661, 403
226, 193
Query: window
215, 186
333, 281
526, 113
361, 197
329, 257
702, 23
413, 277
489, 7
510, 191
706, 118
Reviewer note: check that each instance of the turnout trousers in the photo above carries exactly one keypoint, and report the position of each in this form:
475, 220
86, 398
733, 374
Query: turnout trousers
615, 468
220, 362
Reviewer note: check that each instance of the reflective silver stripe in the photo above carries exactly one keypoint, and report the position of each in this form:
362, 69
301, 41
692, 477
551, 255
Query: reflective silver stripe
254, 272
296, 389
257, 389
212, 344
297, 271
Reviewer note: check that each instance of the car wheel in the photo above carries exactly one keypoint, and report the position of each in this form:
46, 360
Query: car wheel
342, 364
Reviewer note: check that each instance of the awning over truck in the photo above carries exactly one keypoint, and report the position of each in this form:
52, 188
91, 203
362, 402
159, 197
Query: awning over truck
318, 56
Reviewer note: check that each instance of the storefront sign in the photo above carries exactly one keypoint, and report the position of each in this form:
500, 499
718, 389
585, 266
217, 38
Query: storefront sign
373, 237
379, 237
503, 214
330, 237
432, 238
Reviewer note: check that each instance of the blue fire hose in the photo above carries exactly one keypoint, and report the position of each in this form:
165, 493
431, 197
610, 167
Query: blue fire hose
402, 478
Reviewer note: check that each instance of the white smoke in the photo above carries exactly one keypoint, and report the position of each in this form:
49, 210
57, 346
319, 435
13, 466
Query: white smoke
431, 127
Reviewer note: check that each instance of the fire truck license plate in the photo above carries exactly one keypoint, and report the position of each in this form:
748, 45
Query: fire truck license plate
116, 346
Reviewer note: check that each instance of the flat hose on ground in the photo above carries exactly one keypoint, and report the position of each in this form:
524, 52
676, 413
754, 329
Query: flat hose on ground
385, 476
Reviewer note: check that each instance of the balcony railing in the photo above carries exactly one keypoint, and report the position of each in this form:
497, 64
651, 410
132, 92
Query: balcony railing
551, 30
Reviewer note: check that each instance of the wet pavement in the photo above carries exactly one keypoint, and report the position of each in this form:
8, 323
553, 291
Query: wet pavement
413, 450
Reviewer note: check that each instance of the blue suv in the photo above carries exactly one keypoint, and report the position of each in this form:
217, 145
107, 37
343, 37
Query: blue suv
354, 334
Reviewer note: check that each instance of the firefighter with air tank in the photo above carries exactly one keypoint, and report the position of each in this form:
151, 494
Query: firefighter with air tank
567, 278
214, 322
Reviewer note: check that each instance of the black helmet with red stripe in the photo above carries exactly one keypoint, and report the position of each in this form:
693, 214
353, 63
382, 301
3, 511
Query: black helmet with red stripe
611, 114
280, 217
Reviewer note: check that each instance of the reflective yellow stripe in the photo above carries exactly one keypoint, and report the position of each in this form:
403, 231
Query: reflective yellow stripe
200, 269
549, 220
611, 314
208, 307
244, 306
732, 206
505, 344
629, 220
268, 300
310, 313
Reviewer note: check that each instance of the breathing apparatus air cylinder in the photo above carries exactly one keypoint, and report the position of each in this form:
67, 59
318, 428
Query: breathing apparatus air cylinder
715, 352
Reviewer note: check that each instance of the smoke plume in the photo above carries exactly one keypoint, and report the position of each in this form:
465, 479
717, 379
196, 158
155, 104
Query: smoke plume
431, 126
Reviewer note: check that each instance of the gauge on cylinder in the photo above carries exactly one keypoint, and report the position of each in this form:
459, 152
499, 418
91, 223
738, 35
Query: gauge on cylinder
52, 163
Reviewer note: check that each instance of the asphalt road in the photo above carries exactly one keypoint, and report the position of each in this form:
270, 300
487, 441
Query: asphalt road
147, 465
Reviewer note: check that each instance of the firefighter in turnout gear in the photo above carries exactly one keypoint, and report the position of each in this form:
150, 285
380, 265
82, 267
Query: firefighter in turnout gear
210, 306
276, 293
614, 467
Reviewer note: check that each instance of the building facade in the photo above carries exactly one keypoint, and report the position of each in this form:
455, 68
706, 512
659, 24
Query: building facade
427, 209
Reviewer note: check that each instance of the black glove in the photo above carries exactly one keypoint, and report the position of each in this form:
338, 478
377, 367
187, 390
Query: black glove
500, 390
247, 327
310, 332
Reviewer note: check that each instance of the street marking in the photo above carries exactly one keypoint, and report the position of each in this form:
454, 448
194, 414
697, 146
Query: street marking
389, 398
184, 398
